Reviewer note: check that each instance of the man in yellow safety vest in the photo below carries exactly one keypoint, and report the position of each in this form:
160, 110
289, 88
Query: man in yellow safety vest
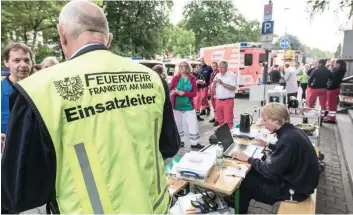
89, 135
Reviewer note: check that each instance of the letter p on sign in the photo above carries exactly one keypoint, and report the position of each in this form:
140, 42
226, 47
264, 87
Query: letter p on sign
267, 27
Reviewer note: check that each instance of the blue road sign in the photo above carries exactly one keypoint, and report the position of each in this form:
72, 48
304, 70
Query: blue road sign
267, 27
284, 43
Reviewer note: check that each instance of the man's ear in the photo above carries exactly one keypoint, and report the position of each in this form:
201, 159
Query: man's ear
110, 38
6, 63
62, 35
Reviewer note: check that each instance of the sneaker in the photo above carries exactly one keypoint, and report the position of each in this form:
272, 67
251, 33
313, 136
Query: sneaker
203, 112
199, 118
182, 144
215, 124
213, 120
208, 111
197, 146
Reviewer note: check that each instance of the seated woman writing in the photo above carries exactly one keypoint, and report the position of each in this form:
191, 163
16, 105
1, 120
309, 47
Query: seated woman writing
292, 172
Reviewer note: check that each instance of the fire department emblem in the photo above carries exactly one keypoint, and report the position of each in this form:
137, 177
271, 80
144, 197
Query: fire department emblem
70, 88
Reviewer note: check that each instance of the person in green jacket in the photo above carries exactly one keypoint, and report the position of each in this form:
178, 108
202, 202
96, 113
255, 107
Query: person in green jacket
303, 79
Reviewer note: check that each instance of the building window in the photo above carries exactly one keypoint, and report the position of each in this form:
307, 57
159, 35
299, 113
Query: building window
248, 59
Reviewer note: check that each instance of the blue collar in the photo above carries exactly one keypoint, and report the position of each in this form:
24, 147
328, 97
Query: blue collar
89, 48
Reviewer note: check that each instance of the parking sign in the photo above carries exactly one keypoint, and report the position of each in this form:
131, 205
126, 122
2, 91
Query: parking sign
267, 27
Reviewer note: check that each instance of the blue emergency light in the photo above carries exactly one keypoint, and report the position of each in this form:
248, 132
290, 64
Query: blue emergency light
243, 44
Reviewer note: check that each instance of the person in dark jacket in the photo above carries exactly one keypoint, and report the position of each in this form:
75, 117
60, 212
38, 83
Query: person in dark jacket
205, 71
201, 83
18, 60
318, 84
309, 73
292, 172
275, 75
333, 89
213, 92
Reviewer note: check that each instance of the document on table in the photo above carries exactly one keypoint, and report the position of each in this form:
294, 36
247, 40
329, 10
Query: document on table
239, 171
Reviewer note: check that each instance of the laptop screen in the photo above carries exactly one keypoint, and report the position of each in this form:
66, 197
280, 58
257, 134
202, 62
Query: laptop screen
223, 134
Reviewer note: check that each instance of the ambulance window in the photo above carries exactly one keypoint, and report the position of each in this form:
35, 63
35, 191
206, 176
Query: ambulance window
247, 59
262, 58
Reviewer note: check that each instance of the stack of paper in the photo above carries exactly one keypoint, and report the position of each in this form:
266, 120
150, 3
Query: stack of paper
236, 171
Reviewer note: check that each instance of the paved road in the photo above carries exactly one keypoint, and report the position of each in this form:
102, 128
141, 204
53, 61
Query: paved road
334, 191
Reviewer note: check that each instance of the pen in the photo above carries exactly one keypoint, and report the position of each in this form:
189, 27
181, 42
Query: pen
217, 178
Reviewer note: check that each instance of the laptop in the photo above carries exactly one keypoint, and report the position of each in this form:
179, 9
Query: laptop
223, 135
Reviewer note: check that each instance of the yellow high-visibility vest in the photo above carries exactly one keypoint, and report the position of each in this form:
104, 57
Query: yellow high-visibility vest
104, 115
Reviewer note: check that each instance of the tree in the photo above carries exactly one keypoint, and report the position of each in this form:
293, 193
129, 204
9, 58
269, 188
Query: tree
141, 28
217, 23
31, 22
181, 41
338, 50
319, 6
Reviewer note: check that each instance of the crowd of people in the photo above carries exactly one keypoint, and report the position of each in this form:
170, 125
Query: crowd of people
318, 80
189, 92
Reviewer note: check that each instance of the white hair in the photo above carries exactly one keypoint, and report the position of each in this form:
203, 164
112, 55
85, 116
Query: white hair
51, 59
75, 18
223, 62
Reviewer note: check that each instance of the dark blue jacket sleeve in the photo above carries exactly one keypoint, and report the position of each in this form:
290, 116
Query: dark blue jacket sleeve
280, 161
28, 163
169, 141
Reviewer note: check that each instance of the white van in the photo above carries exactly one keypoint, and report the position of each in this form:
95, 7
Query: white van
172, 67
151, 63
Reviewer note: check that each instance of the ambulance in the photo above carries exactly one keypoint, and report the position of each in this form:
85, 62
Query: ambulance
244, 59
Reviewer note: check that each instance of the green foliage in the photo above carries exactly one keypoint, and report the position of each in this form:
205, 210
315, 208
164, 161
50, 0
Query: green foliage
318, 54
181, 41
318, 6
218, 22
141, 28
30, 22
338, 50
295, 44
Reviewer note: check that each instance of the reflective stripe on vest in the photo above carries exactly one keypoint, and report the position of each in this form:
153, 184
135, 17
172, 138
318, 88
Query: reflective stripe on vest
105, 123
88, 178
156, 148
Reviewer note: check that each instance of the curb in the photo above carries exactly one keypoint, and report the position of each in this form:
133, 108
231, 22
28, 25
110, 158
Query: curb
347, 184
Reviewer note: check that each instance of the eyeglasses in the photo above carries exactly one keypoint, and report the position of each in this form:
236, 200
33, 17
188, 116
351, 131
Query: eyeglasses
209, 201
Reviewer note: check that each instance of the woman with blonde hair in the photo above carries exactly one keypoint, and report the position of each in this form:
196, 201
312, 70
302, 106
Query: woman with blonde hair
292, 172
183, 89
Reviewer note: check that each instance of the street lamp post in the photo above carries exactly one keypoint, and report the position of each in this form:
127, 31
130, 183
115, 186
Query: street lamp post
285, 28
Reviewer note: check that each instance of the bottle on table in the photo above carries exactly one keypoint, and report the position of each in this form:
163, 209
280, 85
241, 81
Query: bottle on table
256, 115
219, 155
